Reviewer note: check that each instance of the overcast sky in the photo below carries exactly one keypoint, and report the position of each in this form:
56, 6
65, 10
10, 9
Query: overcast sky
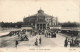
15, 10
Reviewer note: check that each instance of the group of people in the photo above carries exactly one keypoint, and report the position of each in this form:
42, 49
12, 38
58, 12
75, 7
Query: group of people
71, 42
20, 34
50, 34
38, 37
23, 37
38, 41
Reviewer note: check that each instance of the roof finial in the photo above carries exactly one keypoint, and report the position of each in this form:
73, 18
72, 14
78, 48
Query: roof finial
40, 8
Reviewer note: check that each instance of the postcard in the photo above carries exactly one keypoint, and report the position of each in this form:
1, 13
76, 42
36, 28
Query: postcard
39, 26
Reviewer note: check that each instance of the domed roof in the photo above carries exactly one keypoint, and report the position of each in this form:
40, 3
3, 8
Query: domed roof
40, 11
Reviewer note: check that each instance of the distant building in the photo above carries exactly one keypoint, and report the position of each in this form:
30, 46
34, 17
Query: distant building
40, 21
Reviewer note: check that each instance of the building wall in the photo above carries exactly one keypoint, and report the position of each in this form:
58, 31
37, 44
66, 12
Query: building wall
40, 17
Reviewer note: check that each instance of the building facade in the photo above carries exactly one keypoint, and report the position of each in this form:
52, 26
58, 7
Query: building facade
40, 21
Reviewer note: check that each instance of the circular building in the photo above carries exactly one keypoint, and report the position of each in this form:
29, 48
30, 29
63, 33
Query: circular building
40, 21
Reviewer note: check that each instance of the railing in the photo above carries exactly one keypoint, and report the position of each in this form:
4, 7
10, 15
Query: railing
71, 28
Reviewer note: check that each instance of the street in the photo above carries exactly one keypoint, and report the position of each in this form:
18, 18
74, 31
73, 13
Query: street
52, 42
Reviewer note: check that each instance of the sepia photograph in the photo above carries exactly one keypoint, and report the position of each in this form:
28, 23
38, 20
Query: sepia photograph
39, 25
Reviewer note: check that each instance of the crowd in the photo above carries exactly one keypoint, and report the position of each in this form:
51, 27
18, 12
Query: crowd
71, 42
50, 34
22, 36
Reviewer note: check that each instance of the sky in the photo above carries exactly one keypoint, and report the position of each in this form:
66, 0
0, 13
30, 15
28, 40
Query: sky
16, 10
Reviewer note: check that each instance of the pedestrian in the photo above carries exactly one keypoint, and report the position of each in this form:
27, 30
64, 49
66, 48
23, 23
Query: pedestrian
55, 35
72, 35
72, 42
22, 37
16, 43
75, 42
35, 33
49, 34
45, 34
39, 33
36, 43
66, 42
40, 40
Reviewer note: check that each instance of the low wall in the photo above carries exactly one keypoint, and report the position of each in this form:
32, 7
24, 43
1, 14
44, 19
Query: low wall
75, 33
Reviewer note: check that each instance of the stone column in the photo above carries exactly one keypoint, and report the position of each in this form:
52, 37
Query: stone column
35, 26
39, 26
42, 26
46, 26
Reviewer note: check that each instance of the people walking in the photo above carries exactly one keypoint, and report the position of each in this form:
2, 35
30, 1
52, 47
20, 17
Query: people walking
66, 42
16, 43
